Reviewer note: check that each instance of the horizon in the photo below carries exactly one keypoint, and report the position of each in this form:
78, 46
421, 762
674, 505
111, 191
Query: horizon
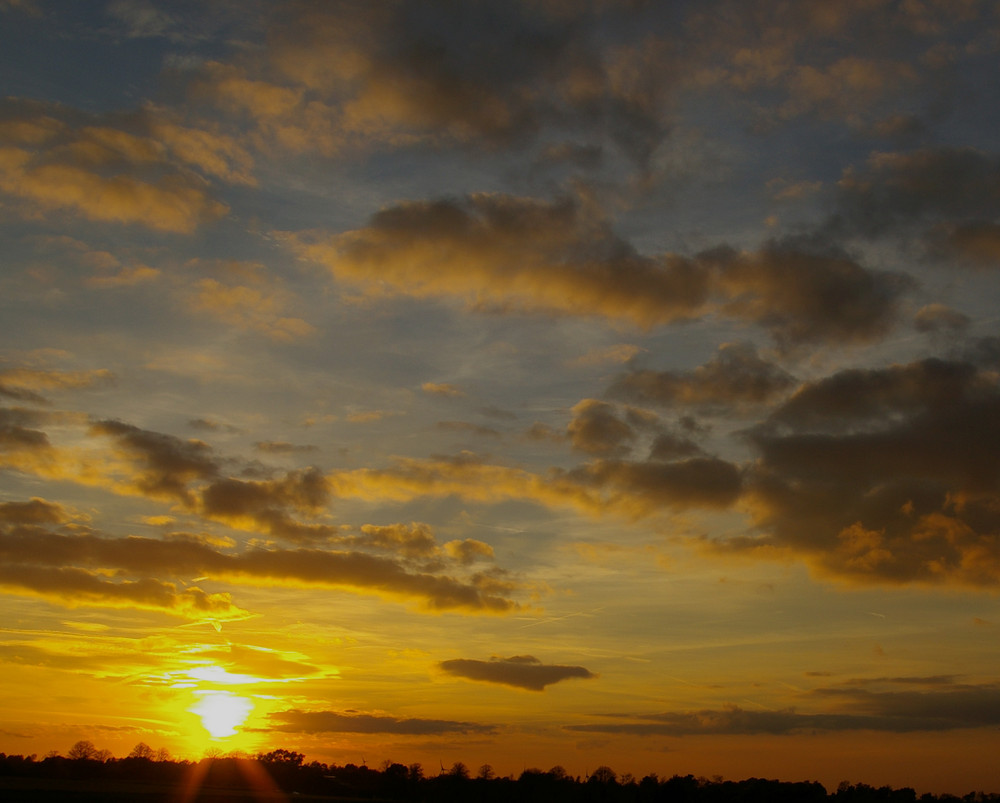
284, 764
521, 382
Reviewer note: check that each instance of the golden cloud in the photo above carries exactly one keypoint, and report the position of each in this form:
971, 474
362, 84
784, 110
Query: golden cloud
75, 569
257, 309
57, 159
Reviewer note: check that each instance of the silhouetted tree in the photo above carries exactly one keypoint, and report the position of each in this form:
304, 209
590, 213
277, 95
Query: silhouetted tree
142, 751
604, 775
287, 758
83, 750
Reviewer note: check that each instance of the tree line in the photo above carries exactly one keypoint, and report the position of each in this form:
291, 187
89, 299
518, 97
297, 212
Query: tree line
289, 772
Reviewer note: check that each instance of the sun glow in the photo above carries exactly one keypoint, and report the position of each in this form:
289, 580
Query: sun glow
222, 712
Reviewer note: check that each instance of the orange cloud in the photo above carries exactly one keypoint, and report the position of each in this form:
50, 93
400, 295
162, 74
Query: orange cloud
25, 383
173, 204
252, 308
56, 159
442, 389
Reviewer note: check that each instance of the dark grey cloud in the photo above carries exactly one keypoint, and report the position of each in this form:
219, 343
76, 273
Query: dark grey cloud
297, 721
520, 671
163, 464
887, 711
735, 376
644, 486
21, 438
270, 503
805, 291
863, 399
956, 186
887, 475
671, 446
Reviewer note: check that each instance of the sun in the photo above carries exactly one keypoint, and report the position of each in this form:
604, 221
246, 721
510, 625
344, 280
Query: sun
222, 712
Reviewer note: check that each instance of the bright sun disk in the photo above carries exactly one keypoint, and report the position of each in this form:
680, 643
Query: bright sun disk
221, 712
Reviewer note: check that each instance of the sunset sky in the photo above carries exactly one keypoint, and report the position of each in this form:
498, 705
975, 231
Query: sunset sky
531, 382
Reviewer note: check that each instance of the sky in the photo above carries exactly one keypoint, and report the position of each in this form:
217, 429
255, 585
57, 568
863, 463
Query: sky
522, 382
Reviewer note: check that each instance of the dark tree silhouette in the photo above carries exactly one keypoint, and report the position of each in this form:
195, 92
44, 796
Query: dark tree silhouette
142, 751
83, 750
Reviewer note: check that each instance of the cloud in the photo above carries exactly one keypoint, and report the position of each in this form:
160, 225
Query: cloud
283, 447
211, 152
956, 187
73, 569
519, 671
734, 377
977, 243
298, 721
171, 204
258, 662
267, 505
468, 551
24, 384
623, 352
256, 306
596, 429
127, 276
161, 466
502, 251
466, 427
940, 318
804, 292
638, 488
796, 63
414, 540
883, 476
953, 707
141, 168
34, 511
73, 586
671, 446
350, 75
631, 488
442, 389
23, 446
